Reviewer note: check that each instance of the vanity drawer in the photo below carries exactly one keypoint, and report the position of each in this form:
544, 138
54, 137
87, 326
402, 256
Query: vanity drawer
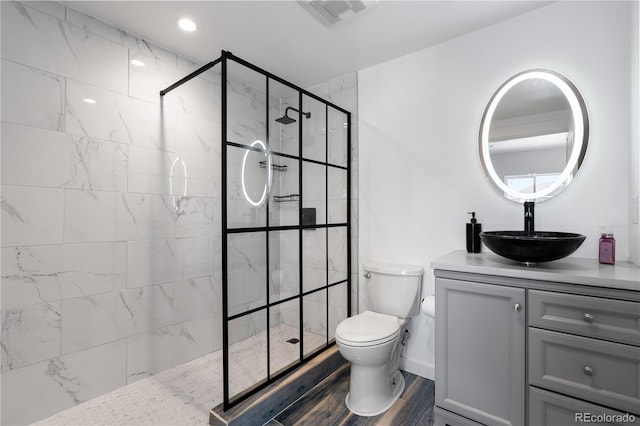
603, 372
552, 409
615, 320
442, 417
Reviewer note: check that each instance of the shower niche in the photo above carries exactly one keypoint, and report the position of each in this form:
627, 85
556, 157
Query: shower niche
285, 231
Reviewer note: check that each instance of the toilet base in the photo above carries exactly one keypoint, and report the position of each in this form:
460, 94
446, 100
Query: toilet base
397, 387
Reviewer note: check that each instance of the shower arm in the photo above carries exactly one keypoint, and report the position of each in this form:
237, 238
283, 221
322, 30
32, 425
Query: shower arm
306, 114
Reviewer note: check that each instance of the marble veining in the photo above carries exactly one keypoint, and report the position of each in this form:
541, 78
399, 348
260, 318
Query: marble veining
314, 258
36, 274
246, 106
28, 33
314, 189
118, 118
30, 334
110, 274
50, 8
31, 215
45, 158
197, 298
197, 216
65, 381
97, 165
337, 254
56, 371
314, 321
179, 342
337, 307
22, 86
337, 195
110, 216
181, 395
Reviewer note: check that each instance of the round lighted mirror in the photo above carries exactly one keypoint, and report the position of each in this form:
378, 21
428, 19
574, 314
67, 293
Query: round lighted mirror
533, 135
256, 174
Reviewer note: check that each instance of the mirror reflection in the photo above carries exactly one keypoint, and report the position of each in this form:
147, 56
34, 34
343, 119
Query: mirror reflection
256, 185
533, 135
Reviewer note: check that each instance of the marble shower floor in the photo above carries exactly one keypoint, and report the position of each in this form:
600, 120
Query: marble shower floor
183, 395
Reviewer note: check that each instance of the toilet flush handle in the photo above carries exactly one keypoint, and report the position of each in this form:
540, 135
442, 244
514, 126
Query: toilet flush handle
367, 274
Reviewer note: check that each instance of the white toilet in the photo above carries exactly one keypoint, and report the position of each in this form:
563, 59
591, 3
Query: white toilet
371, 340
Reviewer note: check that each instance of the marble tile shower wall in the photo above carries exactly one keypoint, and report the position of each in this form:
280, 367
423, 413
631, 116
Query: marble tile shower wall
247, 263
342, 92
247, 257
106, 277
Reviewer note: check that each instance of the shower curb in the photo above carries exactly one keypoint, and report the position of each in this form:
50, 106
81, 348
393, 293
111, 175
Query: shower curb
266, 404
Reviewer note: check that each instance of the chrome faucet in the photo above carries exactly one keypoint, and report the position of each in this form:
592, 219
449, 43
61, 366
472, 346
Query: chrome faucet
528, 217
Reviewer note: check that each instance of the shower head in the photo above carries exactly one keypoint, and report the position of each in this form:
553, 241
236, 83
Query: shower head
285, 119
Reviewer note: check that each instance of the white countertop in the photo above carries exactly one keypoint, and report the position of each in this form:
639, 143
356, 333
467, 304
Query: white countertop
622, 275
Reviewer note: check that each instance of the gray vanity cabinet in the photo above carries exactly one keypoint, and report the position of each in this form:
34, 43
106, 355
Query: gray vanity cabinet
536, 345
480, 352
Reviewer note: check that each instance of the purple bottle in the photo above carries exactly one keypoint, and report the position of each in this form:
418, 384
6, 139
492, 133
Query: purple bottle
607, 252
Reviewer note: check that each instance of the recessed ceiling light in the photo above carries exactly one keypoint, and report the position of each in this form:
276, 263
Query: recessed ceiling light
137, 63
187, 25
89, 100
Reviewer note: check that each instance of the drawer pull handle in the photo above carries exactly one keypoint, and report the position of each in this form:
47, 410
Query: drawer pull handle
517, 307
588, 318
589, 371
367, 274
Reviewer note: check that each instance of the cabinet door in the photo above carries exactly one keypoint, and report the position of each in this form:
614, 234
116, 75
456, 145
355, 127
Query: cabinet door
480, 335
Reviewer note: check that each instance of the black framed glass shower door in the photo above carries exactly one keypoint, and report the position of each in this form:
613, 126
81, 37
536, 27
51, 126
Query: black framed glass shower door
286, 255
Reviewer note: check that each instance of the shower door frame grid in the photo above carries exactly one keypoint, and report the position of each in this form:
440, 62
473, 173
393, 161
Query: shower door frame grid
226, 319
225, 56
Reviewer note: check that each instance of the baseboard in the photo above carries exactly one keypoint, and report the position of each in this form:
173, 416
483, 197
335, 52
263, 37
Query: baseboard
419, 368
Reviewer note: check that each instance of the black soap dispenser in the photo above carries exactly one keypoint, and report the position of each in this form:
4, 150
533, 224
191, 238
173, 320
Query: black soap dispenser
473, 234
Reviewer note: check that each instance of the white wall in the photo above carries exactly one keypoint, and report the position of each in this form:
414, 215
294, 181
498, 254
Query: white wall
419, 120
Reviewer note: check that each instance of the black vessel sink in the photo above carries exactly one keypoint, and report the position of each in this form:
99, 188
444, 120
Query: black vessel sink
532, 247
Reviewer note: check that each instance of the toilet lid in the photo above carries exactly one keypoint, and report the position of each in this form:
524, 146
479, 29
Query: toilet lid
367, 329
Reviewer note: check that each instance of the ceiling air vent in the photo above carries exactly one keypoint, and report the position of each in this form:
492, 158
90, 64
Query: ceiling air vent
331, 12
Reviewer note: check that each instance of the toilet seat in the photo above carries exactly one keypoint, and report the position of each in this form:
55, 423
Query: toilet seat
368, 329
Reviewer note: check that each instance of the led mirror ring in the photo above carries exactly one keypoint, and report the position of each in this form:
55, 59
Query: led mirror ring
267, 185
580, 132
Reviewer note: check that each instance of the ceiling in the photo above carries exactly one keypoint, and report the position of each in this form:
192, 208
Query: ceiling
285, 39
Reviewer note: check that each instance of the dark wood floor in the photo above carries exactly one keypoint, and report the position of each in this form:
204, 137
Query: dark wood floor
324, 405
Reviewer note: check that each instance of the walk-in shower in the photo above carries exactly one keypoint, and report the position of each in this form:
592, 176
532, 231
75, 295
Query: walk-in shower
284, 222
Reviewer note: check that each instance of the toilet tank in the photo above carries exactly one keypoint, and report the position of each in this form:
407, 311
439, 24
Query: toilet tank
394, 289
